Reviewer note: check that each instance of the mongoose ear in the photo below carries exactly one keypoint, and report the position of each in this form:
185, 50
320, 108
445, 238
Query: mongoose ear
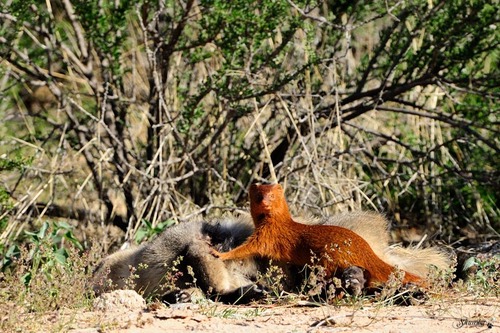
255, 194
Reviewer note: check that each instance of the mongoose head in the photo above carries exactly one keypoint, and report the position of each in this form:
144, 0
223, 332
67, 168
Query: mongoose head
268, 201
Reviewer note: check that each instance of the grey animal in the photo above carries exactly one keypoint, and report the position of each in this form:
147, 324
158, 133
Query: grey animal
180, 259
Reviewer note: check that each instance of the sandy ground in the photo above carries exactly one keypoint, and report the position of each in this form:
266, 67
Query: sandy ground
446, 315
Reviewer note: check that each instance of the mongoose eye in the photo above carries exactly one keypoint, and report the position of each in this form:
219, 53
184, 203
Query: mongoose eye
259, 197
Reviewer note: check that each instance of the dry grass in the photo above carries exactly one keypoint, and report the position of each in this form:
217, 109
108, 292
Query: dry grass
38, 293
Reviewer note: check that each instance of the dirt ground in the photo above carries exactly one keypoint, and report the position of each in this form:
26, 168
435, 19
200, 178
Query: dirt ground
444, 315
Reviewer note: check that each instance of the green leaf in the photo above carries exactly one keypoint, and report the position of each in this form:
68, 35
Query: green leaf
61, 255
472, 261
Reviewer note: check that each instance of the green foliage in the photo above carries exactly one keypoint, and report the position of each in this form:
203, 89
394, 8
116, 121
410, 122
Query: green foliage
48, 247
486, 276
44, 272
5, 205
16, 162
242, 26
237, 29
9, 255
105, 24
21, 10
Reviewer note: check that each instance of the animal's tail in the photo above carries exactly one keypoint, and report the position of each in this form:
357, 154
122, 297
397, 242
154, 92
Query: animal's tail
373, 227
417, 260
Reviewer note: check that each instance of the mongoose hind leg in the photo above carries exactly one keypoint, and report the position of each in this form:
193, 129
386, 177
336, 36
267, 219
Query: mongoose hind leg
354, 280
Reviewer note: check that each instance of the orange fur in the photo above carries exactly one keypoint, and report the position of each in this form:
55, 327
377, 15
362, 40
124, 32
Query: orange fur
279, 237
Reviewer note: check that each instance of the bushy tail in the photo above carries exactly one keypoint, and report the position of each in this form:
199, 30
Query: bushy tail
373, 227
417, 260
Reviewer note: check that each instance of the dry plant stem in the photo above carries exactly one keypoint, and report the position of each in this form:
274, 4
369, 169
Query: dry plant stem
262, 135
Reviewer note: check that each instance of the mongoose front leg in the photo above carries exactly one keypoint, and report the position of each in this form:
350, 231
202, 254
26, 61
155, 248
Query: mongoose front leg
248, 249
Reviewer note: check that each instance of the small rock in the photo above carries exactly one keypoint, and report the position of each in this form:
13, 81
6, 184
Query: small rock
119, 300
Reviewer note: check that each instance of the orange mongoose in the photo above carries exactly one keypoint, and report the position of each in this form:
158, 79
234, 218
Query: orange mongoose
279, 237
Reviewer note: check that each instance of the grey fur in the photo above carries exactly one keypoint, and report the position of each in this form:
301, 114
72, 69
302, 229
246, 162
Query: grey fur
192, 241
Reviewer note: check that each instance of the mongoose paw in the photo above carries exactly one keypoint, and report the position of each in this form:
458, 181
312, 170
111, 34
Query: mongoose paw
183, 296
215, 253
353, 280
221, 255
